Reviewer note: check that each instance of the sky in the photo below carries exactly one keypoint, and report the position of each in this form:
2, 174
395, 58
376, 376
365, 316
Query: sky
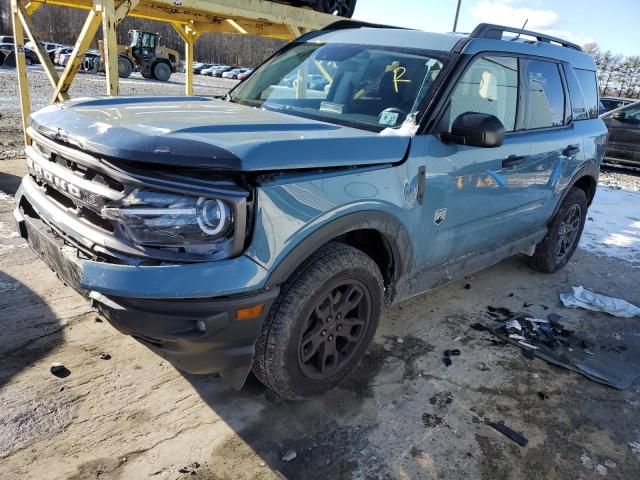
616, 29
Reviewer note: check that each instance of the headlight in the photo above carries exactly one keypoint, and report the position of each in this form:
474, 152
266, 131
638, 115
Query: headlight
154, 218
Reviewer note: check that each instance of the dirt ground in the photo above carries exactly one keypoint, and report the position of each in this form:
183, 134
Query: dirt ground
402, 415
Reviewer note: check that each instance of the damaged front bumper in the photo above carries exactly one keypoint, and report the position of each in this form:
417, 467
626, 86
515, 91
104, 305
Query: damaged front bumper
186, 313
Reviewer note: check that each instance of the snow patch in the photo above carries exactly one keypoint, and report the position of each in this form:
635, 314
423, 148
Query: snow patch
613, 225
8, 231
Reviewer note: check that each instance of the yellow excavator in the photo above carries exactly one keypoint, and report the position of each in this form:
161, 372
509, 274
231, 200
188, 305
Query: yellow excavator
144, 53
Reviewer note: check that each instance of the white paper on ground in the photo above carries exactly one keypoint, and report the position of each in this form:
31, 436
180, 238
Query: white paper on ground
583, 298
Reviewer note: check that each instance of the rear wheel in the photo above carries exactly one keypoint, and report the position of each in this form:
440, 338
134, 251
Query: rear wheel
124, 67
322, 323
557, 248
161, 71
341, 8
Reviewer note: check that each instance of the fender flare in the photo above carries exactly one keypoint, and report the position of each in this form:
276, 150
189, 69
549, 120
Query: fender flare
589, 170
392, 230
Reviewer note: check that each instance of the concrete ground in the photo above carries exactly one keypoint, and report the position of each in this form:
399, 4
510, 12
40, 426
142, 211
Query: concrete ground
402, 415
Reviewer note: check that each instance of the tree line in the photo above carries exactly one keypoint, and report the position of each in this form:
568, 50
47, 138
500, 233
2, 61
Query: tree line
617, 75
62, 25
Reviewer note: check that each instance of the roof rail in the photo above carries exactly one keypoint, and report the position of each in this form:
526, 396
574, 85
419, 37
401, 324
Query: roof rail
345, 24
488, 30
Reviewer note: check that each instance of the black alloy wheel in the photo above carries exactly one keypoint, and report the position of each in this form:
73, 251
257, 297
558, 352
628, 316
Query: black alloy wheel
568, 232
334, 330
563, 234
322, 323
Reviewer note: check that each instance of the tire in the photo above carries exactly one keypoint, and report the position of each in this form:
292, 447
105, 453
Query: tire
161, 72
147, 75
288, 360
565, 230
341, 8
125, 67
28, 61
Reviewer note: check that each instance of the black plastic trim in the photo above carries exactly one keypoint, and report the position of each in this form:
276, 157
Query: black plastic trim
397, 237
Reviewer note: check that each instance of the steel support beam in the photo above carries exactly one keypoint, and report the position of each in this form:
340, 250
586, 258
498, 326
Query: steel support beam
110, 44
87, 34
43, 56
189, 36
21, 66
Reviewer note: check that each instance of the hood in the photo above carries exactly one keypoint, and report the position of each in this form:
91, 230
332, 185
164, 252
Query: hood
208, 133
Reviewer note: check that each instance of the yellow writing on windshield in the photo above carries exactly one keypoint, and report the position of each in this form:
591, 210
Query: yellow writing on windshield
398, 73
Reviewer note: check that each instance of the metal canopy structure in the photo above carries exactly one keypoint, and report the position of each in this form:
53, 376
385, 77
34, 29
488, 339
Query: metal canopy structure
190, 18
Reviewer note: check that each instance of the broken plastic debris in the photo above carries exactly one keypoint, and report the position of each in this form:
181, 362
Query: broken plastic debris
506, 431
513, 326
289, 456
583, 298
536, 320
59, 370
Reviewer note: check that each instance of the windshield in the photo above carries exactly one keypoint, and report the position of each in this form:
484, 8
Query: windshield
364, 86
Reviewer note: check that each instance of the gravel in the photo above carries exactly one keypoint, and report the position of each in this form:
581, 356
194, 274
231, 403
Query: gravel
88, 85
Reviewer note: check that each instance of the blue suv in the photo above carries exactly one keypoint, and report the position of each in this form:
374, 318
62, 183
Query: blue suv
266, 230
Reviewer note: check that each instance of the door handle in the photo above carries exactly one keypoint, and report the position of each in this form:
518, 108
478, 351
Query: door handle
570, 151
513, 160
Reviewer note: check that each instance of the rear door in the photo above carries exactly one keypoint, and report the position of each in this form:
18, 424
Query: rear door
545, 119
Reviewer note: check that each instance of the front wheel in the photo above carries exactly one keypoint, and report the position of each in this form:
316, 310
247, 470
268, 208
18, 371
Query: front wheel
161, 72
322, 323
125, 68
557, 248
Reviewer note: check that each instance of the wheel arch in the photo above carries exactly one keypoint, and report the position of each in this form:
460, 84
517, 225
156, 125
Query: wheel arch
585, 179
378, 234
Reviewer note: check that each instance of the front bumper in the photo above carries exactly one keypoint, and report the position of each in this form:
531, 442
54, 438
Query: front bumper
182, 312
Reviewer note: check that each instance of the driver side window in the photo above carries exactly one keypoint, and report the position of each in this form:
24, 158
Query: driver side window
489, 85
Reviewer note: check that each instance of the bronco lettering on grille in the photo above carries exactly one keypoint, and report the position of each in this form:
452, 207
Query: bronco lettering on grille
53, 180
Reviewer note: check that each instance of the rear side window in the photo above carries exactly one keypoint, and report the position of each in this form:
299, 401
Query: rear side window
544, 99
490, 85
578, 102
589, 84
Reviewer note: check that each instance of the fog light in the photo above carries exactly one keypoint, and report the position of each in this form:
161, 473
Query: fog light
201, 326
249, 312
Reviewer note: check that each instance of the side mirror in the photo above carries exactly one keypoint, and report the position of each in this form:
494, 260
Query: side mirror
620, 116
476, 130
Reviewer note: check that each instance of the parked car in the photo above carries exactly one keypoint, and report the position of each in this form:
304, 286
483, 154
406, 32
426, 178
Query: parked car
31, 58
267, 230
63, 59
233, 74
60, 51
343, 8
612, 103
624, 135
49, 47
199, 68
245, 74
218, 72
9, 39
209, 71
314, 81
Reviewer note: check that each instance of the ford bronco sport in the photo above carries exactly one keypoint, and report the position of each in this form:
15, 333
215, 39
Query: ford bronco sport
265, 230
